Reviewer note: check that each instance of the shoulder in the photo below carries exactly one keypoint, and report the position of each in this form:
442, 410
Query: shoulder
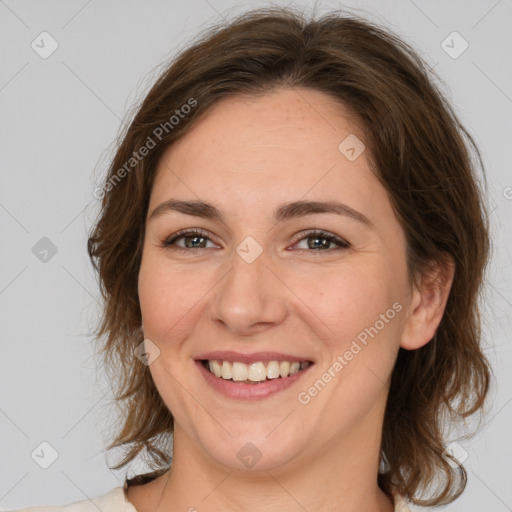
400, 503
113, 501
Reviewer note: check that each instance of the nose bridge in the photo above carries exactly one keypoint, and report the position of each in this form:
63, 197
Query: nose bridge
249, 294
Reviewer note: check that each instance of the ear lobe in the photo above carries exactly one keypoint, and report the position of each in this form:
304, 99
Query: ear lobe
427, 305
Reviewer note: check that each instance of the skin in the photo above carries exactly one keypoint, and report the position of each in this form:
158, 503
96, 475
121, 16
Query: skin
247, 156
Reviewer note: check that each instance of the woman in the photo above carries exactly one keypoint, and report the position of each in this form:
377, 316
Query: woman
291, 246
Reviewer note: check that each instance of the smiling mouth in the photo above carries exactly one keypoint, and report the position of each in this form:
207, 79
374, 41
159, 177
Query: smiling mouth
254, 373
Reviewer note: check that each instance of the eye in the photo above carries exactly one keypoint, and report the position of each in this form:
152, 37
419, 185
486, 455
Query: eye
198, 239
193, 239
321, 241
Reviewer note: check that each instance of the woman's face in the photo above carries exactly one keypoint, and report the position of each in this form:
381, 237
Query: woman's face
258, 289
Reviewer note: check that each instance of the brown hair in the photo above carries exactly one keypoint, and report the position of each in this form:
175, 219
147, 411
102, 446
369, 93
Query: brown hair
419, 151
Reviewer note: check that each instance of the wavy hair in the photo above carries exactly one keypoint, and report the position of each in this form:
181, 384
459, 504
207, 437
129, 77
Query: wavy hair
423, 156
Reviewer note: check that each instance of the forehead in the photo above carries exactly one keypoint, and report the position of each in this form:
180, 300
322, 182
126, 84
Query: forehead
273, 147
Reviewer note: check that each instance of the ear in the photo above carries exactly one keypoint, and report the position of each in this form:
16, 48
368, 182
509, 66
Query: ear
428, 302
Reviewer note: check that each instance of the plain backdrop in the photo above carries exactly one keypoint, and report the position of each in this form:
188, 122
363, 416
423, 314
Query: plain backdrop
69, 73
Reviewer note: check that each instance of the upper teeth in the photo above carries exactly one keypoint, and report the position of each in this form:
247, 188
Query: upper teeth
255, 371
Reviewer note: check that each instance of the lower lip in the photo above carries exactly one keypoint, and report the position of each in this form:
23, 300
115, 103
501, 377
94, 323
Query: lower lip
239, 390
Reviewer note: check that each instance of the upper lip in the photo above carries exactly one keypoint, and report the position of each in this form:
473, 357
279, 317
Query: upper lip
254, 357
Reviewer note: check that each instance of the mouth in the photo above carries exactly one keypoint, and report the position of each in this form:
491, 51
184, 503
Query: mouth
251, 377
253, 373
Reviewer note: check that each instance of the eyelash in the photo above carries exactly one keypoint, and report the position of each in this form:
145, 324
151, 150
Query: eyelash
314, 233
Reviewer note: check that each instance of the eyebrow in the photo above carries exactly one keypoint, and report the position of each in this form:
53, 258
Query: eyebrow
284, 212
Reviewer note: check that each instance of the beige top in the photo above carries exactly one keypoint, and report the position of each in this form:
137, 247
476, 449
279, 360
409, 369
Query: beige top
116, 501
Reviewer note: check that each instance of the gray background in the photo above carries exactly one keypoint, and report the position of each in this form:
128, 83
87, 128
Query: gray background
58, 119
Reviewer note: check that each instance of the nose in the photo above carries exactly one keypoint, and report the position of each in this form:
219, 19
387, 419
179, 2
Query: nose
250, 298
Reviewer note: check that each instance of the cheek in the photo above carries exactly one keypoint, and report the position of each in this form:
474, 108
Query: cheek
348, 300
362, 309
168, 298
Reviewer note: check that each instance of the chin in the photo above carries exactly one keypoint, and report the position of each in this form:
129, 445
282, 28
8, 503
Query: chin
253, 450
